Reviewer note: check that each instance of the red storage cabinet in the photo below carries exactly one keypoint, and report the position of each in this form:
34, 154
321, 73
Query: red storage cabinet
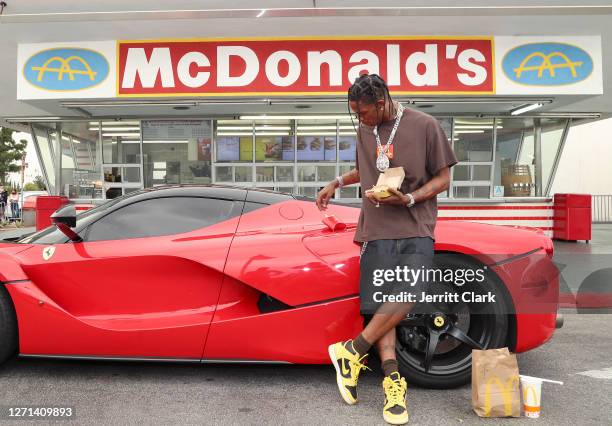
45, 206
572, 217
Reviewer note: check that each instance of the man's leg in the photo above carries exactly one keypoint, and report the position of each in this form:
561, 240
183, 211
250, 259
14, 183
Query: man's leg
386, 351
383, 323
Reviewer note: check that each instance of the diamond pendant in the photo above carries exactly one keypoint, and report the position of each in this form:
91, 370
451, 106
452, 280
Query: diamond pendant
382, 162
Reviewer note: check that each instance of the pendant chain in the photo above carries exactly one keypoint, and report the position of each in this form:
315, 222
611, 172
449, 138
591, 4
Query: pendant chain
382, 162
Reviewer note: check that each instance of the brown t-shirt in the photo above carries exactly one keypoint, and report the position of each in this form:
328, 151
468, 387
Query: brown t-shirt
422, 149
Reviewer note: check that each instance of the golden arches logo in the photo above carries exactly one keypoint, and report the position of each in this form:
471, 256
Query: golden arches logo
64, 68
507, 391
547, 65
530, 389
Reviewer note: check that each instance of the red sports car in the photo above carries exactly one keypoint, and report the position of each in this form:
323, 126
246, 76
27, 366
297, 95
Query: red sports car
221, 274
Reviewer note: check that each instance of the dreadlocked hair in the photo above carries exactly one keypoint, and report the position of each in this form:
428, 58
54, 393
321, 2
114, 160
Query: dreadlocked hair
368, 89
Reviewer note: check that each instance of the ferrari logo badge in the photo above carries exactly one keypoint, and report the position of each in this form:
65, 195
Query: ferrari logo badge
48, 252
438, 321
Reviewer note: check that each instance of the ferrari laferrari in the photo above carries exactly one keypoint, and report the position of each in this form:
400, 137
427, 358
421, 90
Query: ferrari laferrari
224, 274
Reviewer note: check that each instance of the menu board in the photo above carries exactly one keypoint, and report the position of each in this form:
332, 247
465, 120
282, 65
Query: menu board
347, 146
228, 148
280, 148
310, 148
175, 129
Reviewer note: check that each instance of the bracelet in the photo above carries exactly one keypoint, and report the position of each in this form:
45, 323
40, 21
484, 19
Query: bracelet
410, 200
340, 181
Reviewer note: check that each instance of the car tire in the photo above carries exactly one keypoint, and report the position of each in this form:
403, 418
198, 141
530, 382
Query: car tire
452, 368
8, 326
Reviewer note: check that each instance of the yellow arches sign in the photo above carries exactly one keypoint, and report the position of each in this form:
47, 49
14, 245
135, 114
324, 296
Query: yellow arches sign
65, 68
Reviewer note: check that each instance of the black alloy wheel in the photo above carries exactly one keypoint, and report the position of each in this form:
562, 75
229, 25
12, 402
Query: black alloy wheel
435, 341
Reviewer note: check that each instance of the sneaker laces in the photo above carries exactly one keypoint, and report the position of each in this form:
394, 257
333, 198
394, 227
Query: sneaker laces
357, 366
394, 389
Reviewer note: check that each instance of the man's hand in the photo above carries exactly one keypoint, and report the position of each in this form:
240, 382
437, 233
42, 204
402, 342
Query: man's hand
396, 198
325, 194
328, 191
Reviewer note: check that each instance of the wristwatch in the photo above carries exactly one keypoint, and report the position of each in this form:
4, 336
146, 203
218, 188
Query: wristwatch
410, 202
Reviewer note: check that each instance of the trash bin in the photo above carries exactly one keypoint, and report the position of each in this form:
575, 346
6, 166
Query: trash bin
45, 206
28, 211
572, 217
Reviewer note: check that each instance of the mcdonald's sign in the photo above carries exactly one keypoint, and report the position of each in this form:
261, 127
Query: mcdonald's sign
66, 69
507, 390
547, 64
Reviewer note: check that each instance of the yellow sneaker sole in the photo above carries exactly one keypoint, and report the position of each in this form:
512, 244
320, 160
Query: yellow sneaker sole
396, 420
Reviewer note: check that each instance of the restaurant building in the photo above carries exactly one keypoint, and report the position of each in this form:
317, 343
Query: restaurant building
119, 98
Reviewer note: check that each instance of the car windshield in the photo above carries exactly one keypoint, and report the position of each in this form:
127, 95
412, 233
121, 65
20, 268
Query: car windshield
52, 235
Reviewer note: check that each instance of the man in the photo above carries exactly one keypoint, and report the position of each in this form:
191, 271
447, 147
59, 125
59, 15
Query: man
402, 224
3, 201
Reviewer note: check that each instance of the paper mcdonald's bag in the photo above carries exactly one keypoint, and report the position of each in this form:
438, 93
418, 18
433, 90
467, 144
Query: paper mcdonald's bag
495, 383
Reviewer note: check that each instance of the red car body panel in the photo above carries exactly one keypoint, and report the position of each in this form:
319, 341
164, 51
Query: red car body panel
195, 295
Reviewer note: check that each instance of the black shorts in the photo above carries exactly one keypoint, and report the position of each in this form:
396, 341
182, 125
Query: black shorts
391, 270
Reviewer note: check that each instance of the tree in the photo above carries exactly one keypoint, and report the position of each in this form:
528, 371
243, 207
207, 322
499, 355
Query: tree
10, 152
31, 186
40, 183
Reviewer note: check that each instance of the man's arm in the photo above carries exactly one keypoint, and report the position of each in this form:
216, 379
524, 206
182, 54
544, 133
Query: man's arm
437, 184
349, 177
327, 192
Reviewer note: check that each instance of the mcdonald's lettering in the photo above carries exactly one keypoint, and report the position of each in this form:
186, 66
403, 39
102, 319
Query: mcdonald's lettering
547, 64
66, 69
506, 391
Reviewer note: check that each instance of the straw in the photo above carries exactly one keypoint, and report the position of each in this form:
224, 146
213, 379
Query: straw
542, 380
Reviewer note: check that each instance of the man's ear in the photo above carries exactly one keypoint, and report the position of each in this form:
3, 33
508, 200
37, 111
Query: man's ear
380, 104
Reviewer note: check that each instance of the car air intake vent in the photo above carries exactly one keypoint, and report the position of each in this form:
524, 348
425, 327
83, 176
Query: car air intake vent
268, 304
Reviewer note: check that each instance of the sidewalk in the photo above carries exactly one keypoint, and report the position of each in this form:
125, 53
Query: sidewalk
11, 231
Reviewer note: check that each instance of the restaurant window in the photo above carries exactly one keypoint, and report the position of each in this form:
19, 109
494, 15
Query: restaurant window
81, 162
514, 157
553, 132
472, 140
44, 134
176, 152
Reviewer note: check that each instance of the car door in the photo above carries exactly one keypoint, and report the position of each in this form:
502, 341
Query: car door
144, 282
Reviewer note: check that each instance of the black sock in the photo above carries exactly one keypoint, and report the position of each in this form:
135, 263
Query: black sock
360, 345
389, 367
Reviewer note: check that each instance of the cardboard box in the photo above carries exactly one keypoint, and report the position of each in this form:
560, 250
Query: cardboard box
391, 178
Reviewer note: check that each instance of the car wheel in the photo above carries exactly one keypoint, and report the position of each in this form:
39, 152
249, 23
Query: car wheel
8, 326
434, 348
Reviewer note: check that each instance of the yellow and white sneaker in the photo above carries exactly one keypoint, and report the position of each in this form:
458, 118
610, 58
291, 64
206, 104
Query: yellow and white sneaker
348, 365
395, 411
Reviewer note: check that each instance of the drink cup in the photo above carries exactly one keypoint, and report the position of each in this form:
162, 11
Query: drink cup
333, 223
532, 396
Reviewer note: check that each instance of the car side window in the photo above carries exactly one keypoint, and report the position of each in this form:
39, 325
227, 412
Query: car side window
249, 207
162, 216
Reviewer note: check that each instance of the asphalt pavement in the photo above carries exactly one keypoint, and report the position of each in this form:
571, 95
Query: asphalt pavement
100, 392
159, 393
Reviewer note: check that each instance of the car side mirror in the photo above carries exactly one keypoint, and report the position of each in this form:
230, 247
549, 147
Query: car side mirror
64, 218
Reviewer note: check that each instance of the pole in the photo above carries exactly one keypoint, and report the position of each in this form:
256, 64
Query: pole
23, 166
537, 154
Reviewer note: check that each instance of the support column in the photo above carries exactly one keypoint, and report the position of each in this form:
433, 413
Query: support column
537, 154
58, 159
